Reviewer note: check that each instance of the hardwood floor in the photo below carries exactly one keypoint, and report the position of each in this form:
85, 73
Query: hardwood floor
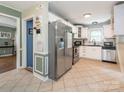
7, 63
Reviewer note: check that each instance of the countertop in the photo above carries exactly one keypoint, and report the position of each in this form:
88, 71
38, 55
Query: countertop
103, 47
6, 46
92, 45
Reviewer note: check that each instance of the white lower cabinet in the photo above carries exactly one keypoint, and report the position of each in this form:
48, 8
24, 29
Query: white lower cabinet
92, 52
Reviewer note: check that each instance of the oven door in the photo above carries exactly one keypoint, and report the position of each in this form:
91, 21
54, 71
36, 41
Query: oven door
109, 55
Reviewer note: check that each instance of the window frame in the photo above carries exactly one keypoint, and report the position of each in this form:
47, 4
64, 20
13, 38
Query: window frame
92, 29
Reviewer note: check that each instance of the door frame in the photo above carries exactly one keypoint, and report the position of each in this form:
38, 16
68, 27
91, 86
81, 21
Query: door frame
24, 41
18, 47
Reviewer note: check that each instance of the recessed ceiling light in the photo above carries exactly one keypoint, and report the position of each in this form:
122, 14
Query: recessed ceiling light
94, 23
38, 7
87, 15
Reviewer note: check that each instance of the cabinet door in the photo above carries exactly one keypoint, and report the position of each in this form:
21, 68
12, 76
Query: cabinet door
79, 32
98, 53
75, 30
119, 19
84, 32
93, 52
88, 52
108, 32
82, 51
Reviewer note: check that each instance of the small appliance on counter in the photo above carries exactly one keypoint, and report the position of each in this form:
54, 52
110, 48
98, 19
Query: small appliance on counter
76, 44
109, 52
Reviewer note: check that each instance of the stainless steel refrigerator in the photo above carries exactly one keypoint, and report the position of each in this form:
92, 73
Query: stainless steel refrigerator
60, 49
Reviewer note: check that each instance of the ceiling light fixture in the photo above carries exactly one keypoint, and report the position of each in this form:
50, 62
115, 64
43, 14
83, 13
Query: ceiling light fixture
95, 23
87, 15
38, 7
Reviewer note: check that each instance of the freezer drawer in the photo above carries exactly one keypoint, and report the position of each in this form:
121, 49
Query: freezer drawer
109, 55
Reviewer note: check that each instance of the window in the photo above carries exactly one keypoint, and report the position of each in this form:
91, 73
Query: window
96, 35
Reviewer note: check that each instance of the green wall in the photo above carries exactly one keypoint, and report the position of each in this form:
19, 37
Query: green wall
12, 12
9, 11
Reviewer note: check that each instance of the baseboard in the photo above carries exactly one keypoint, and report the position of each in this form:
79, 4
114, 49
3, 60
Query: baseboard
6, 55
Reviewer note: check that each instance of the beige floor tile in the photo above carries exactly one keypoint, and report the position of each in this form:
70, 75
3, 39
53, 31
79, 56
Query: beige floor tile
83, 88
58, 85
19, 89
85, 76
71, 89
33, 87
80, 81
121, 89
8, 86
2, 83
114, 86
58, 90
45, 86
69, 83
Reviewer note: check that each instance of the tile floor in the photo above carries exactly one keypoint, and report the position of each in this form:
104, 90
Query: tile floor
86, 75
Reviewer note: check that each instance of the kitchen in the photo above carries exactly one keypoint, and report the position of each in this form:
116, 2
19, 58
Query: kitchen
78, 46
97, 42
93, 37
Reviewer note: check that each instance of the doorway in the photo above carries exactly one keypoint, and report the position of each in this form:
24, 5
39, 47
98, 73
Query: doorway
9, 42
29, 36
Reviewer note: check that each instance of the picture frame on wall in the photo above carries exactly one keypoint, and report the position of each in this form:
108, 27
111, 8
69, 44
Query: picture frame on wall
5, 35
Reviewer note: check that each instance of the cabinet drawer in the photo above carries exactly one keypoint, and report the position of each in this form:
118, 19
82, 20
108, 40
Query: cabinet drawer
84, 55
84, 51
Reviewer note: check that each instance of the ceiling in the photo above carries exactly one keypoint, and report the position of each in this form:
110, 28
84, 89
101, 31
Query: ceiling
73, 10
19, 5
7, 21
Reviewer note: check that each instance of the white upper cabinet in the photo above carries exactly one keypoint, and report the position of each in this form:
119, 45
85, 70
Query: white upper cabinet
108, 31
75, 31
80, 32
119, 19
84, 32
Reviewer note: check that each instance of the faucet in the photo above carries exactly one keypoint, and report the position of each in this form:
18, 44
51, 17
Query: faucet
94, 42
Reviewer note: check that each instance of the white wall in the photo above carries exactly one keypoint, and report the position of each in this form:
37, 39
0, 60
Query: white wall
53, 17
42, 13
118, 19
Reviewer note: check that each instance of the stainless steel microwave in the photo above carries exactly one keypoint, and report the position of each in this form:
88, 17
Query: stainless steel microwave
77, 43
108, 44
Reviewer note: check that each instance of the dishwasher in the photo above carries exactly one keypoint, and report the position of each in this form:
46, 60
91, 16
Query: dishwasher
109, 54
